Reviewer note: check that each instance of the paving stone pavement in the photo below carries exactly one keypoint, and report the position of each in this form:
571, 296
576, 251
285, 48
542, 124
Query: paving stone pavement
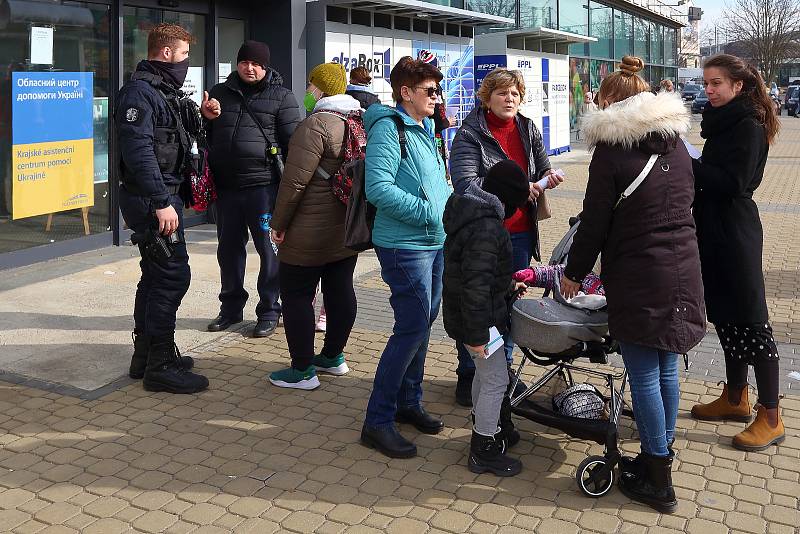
248, 457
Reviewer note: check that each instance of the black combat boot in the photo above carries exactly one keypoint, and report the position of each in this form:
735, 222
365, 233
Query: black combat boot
165, 372
508, 434
653, 485
485, 455
141, 346
464, 388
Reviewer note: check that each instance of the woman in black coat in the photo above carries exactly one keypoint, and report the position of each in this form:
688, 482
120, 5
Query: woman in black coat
738, 125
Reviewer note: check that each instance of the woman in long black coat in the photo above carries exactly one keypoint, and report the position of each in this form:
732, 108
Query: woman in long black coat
738, 125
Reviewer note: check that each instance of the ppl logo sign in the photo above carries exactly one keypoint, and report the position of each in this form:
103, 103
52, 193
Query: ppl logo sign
380, 64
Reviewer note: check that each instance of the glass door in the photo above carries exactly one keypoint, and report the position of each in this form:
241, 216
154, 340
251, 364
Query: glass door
231, 36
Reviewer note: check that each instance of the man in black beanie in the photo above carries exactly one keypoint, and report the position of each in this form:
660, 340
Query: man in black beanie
476, 288
248, 142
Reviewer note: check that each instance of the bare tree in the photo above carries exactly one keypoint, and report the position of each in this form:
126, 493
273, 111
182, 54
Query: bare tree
766, 30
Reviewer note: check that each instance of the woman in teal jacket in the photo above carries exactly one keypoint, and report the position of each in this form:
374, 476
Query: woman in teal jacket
409, 190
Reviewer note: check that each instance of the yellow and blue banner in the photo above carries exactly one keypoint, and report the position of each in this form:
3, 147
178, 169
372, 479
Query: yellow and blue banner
53, 151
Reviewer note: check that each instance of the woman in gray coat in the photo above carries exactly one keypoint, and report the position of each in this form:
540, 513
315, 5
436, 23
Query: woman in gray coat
493, 132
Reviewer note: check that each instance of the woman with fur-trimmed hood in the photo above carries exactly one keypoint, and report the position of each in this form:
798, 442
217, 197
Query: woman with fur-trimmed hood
651, 264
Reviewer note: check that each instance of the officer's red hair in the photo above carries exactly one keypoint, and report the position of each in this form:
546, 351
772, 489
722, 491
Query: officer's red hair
166, 35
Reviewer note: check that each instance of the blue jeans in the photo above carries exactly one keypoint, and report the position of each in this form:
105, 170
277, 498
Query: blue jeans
521, 244
653, 377
415, 279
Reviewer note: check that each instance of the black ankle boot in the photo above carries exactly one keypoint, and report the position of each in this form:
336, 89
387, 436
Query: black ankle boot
653, 485
508, 434
165, 370
464, 389
141, 346
486, 455
632, 466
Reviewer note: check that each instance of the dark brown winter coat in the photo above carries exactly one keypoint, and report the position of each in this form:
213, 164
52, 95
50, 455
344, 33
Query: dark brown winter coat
306, 209
729, 229
650, 261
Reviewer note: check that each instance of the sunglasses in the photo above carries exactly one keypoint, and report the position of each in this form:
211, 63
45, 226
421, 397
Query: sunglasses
432, 91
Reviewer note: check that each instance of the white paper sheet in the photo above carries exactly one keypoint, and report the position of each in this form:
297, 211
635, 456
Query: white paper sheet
495, 341
41, 45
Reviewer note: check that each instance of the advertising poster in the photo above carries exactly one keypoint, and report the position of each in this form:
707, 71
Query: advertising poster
52, 152
100, 117
579, 86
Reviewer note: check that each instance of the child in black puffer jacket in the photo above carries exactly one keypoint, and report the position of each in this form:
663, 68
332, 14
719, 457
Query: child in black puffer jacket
477, 288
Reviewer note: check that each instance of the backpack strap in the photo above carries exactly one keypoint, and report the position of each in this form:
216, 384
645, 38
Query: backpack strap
401, 135
638, 181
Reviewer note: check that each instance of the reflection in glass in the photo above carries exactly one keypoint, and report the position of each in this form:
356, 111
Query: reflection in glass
537, 13
601, 26
641, 39
656, 44
623, 33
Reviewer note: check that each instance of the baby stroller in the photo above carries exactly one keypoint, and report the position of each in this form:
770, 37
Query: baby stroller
554, 333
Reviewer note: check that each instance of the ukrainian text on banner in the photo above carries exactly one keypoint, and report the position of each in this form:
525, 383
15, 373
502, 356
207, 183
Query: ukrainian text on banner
52, 125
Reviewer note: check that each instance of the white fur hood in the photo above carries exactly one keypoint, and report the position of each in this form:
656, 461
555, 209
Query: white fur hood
631, 120
341, 103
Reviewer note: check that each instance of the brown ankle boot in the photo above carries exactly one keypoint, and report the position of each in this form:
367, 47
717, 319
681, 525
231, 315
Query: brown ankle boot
760, 435
722, 410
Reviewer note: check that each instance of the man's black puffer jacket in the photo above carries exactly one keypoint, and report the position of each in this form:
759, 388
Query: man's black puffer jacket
477, 267
236, 145
475, 151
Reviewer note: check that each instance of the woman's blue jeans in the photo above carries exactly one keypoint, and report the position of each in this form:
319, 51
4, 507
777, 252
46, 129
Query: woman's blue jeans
521, 245
653, 376
415, 280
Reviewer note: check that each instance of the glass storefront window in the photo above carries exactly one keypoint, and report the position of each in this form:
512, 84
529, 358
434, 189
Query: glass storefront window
537, 13
46, 172
601, 26
501, 8
641, 39
623, 33
656, 44
231, 37
670, 52
656, 75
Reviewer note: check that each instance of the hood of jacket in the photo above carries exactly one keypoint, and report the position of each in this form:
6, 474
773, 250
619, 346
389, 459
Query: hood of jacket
474, 204
641, 118
362, 88
380, 111
340, 103
272, 77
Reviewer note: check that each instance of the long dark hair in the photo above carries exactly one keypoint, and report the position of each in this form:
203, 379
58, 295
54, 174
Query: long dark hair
753, 87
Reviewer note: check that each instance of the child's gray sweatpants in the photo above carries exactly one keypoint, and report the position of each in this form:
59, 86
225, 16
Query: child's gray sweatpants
488, 388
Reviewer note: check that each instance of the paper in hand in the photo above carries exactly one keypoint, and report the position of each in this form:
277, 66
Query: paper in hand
690, 148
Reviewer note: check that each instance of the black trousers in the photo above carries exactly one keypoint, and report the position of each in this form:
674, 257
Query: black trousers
751, 344
298, 288
163, 283
240, 210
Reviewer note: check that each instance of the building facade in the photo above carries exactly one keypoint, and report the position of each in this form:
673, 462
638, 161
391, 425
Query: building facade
62, 63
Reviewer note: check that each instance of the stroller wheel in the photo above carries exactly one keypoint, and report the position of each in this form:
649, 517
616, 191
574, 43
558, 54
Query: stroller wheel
595, 476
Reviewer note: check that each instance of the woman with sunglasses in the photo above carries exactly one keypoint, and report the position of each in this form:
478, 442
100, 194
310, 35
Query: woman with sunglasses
493, 132
406, 184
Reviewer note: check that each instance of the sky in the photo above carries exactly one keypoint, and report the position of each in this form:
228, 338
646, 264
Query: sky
712, 13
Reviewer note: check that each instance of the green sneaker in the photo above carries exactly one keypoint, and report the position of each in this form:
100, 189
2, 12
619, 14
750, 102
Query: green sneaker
334, 365
292, 378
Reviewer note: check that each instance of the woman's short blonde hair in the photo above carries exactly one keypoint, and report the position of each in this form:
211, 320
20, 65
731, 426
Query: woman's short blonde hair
500, 78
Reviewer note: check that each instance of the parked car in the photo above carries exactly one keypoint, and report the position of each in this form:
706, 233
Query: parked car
790, 103
699, 102
690, 91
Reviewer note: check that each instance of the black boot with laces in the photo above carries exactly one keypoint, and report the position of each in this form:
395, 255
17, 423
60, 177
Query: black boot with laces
165, 370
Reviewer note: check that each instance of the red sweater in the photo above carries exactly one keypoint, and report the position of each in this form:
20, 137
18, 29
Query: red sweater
507, 134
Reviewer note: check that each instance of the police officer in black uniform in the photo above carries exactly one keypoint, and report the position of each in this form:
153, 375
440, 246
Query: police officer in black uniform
156, 132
